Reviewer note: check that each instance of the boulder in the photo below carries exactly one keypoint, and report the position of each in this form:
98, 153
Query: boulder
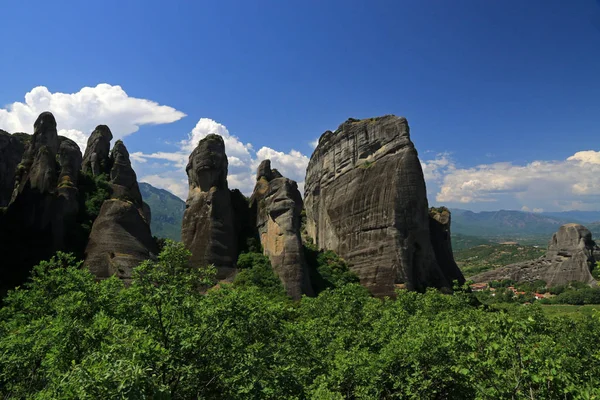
208, 229
11, 153
95, 159
119, 241
277, 205
365, 199
570, 256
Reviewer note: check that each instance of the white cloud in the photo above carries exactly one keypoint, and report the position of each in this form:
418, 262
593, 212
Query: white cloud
243, 161
563, 184
77, 114
313, 143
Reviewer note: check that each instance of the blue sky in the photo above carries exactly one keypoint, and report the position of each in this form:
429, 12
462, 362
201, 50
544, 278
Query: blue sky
503, 97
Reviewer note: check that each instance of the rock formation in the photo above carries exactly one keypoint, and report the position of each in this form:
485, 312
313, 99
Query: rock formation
43, 203
96, 158
570, 257
277, 204
122, 177
11, 153
120, 238
208, 229
440, 237
365, 199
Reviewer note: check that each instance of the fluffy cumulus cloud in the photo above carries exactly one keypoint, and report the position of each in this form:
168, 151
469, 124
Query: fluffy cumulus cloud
553, 185
243, 161
77, 114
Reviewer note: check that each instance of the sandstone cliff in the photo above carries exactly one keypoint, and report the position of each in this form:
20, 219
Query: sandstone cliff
120, 238
277, 205
96, 158
11, 153
208, 229
365, 198
440, 236
43, 202
571, 256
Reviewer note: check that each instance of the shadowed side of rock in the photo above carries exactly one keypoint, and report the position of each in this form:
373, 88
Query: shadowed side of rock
571, 256
439, 231
277, 205
208, 229
366, 200
11, 153
43, 202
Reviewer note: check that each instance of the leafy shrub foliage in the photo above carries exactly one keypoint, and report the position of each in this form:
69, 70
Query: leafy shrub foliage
167, 337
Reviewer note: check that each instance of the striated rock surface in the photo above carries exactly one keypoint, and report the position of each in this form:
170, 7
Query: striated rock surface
11, 153
208, 229
365, 198
277, 204
122, 176
440, 237
571, 256
120, 240
95, 159
34, 224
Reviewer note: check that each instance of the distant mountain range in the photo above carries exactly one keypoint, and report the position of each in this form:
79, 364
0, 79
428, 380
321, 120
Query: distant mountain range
167, 211
520, 226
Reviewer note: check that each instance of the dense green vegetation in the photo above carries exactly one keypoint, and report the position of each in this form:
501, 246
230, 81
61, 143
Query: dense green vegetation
168, 336
167, 211
486, 257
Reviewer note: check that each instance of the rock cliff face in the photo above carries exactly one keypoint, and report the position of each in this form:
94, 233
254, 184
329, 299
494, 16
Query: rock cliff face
120, 238
11, 153
277, 204
570, 257
208, 229
439, 233
96, 157
122, 177
365, 198
35, 224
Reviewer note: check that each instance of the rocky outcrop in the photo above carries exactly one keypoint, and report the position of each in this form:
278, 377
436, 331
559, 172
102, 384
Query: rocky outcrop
365, 199
120, 238
571, 255
123, 179
35, 223
96, 157
440, 237
208, 229
11, 153
277, 204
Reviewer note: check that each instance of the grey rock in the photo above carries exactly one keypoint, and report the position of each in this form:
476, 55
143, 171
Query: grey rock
365, 198
122, 176
120, 240
440, 237
570, 256
147, 212
208, 229
11, 153
96, 157
278, 204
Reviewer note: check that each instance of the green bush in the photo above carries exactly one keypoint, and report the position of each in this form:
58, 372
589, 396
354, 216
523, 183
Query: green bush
256, 271
165, 336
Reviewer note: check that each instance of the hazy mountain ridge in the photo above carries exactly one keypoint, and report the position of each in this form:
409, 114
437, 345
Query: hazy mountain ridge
167, 211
